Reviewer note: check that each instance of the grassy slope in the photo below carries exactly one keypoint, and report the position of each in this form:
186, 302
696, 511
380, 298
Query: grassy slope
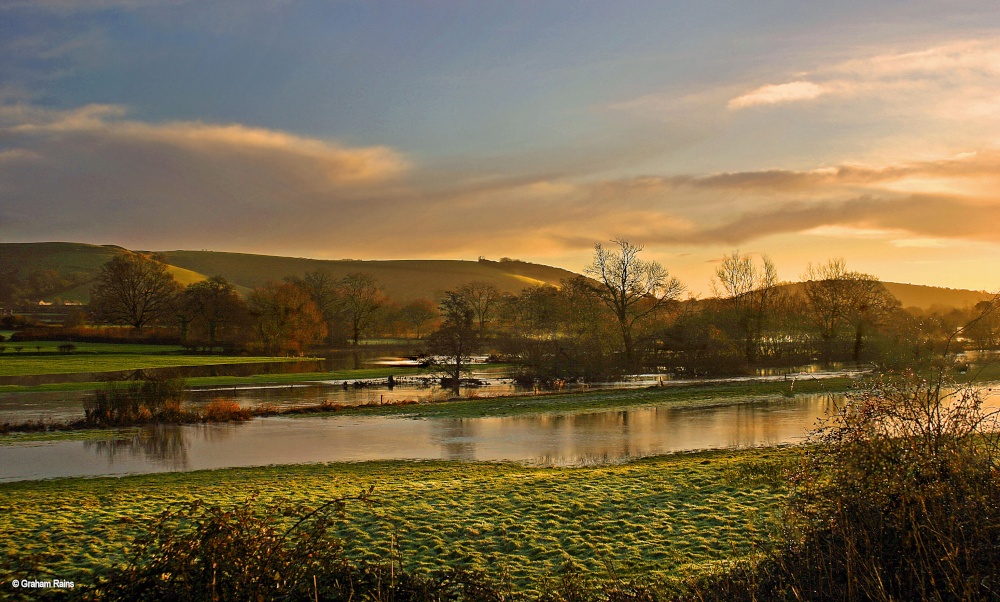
667, 515
403, 279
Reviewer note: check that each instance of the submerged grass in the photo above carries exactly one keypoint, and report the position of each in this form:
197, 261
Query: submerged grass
667, 517
304, 377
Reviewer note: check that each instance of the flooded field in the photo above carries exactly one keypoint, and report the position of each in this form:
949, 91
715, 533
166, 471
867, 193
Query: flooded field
546, 439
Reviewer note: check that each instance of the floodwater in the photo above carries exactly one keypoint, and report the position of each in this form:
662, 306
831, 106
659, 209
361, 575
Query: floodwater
573, 439
547, 439
67, 406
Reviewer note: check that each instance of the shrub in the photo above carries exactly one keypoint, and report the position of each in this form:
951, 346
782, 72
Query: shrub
222, 410
898, 498
129, 402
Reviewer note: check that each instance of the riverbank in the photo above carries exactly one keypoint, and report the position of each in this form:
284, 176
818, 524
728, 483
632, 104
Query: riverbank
666, 517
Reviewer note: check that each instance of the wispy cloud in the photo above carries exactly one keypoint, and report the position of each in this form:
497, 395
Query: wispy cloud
962, 69
778, 93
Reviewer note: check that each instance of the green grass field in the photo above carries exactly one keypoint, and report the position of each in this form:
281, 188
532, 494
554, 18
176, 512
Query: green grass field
14, 365
44, 357
663, 517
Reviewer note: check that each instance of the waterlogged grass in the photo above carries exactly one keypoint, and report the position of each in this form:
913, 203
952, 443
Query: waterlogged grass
265, 379
699, 394
230, 381
664, 517
51, 387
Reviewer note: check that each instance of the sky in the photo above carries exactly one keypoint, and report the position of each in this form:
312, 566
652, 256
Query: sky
805, 131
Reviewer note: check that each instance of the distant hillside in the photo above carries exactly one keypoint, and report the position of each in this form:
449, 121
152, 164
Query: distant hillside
926, 297
403, 280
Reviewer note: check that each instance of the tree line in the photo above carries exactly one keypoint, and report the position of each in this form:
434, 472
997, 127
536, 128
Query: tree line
624, 315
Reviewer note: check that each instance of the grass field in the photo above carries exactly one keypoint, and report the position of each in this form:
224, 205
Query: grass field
70, 364
44, 357
225, 381
665, 517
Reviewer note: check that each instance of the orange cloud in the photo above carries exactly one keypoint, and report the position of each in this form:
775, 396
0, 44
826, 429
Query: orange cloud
236, 187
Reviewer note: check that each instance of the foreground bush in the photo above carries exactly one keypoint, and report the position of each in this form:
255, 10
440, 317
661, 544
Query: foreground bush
898, 499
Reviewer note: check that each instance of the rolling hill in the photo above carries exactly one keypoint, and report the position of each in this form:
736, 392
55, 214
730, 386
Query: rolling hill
924, 297
403, 280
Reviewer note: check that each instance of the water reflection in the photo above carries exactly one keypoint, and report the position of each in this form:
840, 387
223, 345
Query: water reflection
548, 439
165, 445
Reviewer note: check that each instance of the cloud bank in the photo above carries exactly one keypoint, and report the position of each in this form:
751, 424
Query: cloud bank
92, 174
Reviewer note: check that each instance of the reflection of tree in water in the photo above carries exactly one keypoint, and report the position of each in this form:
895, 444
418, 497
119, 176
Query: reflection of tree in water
457, 437
161, 443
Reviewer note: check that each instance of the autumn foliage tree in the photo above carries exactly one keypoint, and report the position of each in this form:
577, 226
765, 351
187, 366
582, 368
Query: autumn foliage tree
284, 318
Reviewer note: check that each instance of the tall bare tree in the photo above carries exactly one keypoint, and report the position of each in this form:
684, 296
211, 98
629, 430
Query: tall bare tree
840, 301
483, 298
135, 290
417, 314
749, 294
361, 297
213, 310
632, 288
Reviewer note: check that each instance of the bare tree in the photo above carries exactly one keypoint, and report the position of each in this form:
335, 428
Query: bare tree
418, 313
841, 301
213, 309
871, 305
361, 297
483, 298
632, 288
749, 295
135, 290
456, 339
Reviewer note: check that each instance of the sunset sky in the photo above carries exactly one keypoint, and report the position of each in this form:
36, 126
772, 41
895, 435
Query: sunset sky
529, 129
